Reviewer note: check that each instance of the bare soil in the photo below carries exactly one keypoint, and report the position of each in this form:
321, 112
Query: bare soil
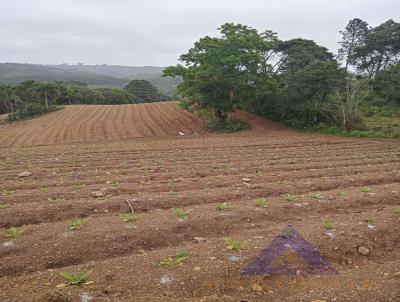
354, 182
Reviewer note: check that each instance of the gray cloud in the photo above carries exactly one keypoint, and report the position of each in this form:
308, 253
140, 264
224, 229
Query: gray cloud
156, 32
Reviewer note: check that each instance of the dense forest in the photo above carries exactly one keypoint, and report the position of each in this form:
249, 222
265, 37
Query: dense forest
106, 76
297, 82
32, 98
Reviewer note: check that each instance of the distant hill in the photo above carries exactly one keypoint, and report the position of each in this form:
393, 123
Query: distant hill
93, 75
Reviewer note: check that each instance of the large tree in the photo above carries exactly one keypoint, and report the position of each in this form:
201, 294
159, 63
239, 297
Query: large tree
353, 36
143, 91
221, 72
48, 92
380, 50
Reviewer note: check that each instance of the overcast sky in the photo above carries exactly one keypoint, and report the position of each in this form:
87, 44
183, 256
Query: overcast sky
156, 32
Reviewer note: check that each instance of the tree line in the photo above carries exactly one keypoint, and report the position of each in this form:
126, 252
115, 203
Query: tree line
297, 81
31, 98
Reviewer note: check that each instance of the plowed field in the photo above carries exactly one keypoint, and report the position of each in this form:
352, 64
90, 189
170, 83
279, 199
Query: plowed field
91, 123
305, 179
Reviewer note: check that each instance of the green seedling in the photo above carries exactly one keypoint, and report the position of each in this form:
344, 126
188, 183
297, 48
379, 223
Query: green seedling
75, 224
7, 192
319, 196
342, 194
291, 197
12, 232
105, 197
55, 199
397, 211
115, 184
262, 203
75, 278
4, 206
370, 221
233, 245
144, 182
178, 259
224, 206
328, 224
181, 213
130, 218
366, 190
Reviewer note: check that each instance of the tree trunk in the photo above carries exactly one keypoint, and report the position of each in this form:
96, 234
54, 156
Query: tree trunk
46, 101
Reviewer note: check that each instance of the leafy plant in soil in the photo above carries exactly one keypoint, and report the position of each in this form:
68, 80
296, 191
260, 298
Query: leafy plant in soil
178, 259
75, 278
233, 245
370, 221
181, 213
55, 199
328, 223
75, 224
262, 203
224, 206
366, 190
4, 206
397, 211
12, 232
291, 197
130, 218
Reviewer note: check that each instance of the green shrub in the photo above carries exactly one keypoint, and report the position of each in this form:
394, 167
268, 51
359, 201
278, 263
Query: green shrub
227, 125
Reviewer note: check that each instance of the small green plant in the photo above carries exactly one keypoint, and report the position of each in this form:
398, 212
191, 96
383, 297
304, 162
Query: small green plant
12, 232
366, 190
262, 203
181, 213
7, 192
397, 211
75, 278
291, 197
144, 182
342, 194
233, 245
55, 199
178, 259
75, 224
4, 206
115, 184
328, 223
319, 196
130, 218
369, 220
224, 206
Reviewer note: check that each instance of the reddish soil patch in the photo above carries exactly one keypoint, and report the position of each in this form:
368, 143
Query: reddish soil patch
354, 182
